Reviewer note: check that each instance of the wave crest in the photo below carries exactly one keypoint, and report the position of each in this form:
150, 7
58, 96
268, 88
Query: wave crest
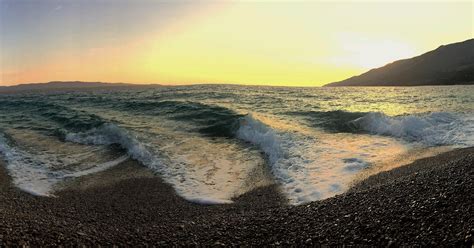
109, 134
430, 129
166, 158
307, 168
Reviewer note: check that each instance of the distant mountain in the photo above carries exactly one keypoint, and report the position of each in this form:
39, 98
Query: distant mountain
60, 85
447, 65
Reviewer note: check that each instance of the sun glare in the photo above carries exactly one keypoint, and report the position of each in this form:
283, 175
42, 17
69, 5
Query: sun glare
367, 52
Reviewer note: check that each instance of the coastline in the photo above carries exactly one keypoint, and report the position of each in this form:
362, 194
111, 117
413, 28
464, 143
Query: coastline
428, 202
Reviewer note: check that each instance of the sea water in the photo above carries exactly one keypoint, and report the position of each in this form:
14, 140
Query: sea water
207, 141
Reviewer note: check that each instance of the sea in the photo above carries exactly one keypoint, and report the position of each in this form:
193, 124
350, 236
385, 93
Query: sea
212, 143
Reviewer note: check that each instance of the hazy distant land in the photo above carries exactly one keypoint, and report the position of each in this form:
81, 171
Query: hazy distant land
447, 65
56, 85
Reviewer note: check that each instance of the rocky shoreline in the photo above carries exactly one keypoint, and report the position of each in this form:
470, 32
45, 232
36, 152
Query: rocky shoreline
429, 202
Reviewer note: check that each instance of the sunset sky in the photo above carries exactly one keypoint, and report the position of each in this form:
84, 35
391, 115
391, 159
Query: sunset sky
295, 43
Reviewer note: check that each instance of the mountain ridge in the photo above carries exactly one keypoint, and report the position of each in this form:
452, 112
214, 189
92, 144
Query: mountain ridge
446, 65
66, 85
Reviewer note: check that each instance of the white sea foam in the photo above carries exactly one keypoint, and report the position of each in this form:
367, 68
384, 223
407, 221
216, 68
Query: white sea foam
314, 166
200, 170
429, 129
98, 168
112, 134
309, 166
287, 158
208, 201
37, 170
27, 173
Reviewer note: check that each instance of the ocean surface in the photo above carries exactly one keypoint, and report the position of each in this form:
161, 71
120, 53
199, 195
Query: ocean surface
212, 142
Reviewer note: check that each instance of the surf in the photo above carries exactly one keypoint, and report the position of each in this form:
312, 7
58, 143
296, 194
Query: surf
430, 129
313, 165
39, 169
208, 141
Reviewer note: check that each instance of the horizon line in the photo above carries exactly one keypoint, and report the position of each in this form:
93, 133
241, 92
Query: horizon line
163, 84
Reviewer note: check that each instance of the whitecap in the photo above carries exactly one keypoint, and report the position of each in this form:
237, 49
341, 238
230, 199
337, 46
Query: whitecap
431, 129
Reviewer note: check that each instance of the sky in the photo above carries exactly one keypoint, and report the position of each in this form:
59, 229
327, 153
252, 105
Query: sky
287, 43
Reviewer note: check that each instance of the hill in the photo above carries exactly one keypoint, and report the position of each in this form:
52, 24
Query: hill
447, 65
61, 85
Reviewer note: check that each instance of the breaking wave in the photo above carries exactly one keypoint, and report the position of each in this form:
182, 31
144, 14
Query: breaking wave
307, 167
109, 134
429, 129
140, 148
35, 173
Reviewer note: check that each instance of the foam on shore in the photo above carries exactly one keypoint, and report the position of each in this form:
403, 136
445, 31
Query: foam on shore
315, 166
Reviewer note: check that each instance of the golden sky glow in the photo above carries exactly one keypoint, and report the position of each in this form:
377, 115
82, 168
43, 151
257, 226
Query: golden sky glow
271, 43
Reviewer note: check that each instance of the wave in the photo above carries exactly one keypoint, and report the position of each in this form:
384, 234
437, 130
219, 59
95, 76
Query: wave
307, 168
71, 119
33, 172
277, 148
48, 117
27, 173
98, 168
210, 120
58, 119
330, 121
109, 134
39, 171
143, 149
431, 129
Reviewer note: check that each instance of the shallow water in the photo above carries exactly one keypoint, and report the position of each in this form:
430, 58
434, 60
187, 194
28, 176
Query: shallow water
207, 141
